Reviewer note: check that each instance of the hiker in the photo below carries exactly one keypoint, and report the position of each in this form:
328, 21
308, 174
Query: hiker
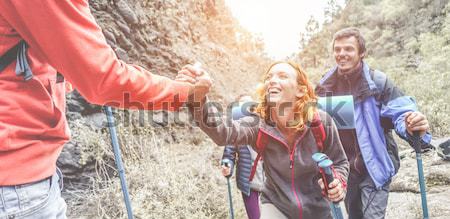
42, 44
281, 135
379, 106
244, 157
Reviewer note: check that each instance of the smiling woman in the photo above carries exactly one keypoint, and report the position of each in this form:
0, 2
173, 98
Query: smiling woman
291, 189
288, 93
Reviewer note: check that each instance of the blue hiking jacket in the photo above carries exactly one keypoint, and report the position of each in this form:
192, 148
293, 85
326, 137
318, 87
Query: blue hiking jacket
380, 106
246, 157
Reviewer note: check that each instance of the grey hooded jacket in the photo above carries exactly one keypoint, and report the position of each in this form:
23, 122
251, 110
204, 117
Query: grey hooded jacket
293, 189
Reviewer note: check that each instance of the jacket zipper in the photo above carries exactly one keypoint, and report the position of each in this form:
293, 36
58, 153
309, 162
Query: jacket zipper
299, 205
291, 166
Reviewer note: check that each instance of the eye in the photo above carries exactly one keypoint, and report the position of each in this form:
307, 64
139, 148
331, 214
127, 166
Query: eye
283, 76
268, 76
349, 49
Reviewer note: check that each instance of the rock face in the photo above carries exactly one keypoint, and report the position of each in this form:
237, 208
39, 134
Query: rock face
161, 36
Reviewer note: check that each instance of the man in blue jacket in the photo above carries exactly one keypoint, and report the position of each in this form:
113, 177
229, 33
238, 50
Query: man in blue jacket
380, 106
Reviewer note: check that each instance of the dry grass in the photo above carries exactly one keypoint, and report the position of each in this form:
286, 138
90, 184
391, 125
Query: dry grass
167, 177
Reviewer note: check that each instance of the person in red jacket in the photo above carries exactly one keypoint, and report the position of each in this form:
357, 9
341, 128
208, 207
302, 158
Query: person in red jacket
56, 41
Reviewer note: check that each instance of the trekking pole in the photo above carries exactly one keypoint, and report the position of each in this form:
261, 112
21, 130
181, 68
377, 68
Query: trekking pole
325, 164
423, 192
118, 159
226, 162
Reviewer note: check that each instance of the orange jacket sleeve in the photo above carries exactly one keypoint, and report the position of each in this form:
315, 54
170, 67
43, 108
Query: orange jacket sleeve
65, 34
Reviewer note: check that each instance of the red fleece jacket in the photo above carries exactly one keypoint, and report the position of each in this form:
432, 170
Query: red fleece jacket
62, 36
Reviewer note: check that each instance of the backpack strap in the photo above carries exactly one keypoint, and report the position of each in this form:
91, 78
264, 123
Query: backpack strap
261, 142
380, 79
18, 52
318, 132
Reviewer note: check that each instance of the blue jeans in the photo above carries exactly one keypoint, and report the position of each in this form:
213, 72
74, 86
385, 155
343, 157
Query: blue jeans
38, 200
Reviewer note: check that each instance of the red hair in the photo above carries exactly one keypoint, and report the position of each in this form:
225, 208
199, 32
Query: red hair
304, 107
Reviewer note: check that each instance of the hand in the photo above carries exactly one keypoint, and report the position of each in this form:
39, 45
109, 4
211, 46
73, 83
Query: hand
336, 191
226, 171
197, 77
416, 121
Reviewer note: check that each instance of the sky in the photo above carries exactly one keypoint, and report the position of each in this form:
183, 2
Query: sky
279, 22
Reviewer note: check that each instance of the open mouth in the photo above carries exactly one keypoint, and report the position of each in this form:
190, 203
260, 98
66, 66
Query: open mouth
273, 90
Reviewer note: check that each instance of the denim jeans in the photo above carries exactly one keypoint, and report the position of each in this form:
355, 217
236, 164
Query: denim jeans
38, 200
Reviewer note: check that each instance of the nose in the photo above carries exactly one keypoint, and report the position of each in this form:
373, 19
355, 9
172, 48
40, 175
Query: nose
341, 52
272, 80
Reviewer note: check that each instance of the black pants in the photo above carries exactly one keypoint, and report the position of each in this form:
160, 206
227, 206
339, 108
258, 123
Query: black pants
363, 199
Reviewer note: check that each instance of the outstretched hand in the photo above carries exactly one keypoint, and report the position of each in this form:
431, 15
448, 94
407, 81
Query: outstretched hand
199, 79
336, 191
416, 121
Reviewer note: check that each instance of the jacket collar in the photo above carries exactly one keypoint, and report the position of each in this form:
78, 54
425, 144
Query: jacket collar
329, 80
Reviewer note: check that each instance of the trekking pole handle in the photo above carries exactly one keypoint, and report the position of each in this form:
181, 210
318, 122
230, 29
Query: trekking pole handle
326, 166
416, 142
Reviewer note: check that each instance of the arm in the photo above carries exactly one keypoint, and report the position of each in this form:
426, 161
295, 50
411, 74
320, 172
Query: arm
396, 106
64, 34
335, 151
209, 117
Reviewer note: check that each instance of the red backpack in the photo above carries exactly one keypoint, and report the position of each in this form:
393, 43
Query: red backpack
316, 127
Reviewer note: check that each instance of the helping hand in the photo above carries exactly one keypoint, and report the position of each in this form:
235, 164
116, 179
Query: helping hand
199, 79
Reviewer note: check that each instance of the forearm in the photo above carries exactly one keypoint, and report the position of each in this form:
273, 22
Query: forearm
224, 131
65, 35
229, 152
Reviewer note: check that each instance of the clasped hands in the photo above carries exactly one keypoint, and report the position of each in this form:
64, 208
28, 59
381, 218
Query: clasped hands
199, 80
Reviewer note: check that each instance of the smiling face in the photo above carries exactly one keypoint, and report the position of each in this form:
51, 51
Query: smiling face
346, 53
281, 84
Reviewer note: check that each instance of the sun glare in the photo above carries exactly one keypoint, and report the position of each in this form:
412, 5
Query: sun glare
279, 22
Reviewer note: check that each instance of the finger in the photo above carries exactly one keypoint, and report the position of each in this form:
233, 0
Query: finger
411, 116
338, 197
420, 128
420, 123
194, 70
407, 115
320, 182
417, 119
187, 72
334, 183
188, 80
204, 83
335, 193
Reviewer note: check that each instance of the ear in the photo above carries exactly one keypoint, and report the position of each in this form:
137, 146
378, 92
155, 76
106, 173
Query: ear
362, 55
301, 91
